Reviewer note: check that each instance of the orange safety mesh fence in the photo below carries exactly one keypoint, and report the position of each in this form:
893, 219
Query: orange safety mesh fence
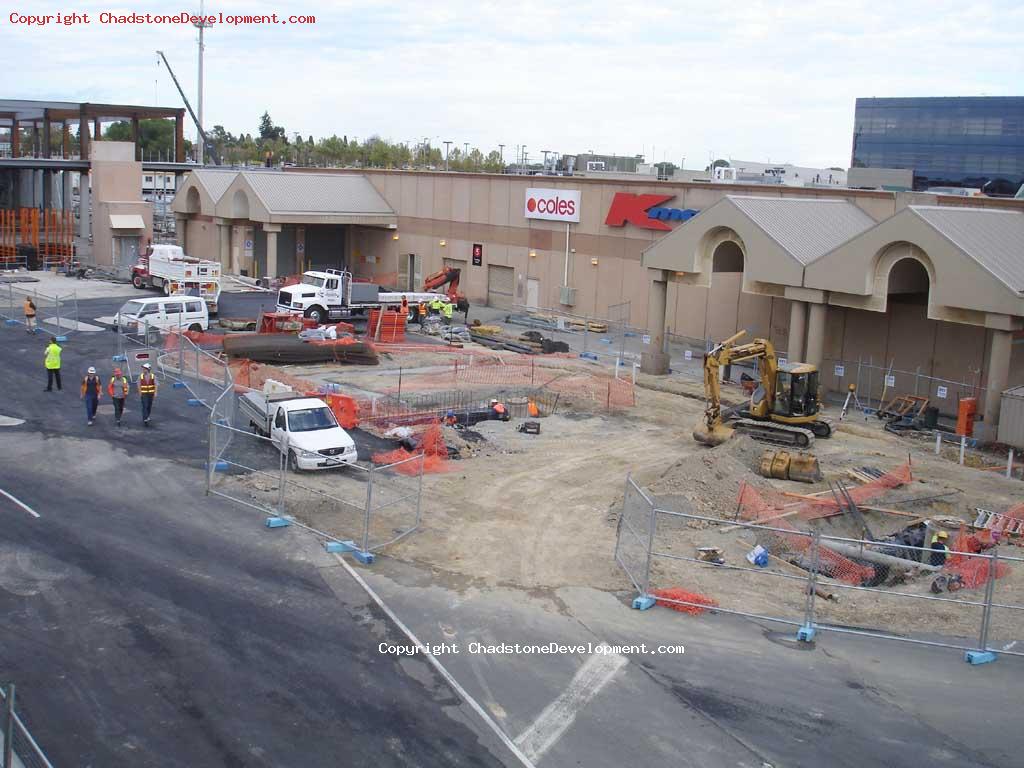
826, 505
755, 507
431, 444
575, 383
675, 593
973, 571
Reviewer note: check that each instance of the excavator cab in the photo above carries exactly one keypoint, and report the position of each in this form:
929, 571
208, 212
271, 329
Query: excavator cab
796, 391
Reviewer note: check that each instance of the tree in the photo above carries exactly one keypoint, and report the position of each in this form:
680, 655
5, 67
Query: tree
719, 163
271, 132
156, 136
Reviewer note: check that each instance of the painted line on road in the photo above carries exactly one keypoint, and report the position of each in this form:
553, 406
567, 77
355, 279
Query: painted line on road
449, 678
1008, 646
547, 729
21, 504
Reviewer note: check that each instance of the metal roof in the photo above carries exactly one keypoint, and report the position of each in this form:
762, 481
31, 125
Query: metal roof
993, 238
215, 181
317, 193
806, 228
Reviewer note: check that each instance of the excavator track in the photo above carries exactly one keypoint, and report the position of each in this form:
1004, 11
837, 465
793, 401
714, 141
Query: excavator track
773, 432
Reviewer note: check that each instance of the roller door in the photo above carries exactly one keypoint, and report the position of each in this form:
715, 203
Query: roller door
501, 283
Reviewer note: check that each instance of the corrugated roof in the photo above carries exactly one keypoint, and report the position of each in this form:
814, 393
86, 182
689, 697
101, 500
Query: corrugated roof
326, 193
215, 181
993, 238
806, 228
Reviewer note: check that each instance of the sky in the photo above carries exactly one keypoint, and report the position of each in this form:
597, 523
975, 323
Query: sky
678, 80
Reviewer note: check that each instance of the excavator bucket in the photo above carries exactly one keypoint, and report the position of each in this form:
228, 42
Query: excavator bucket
784, 465
712, 436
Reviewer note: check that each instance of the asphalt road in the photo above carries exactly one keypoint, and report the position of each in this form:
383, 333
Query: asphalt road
148, 625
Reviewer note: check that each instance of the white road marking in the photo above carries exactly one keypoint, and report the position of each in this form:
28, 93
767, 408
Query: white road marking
547, 729
21, 504
1008, 646
10, 421
432, 659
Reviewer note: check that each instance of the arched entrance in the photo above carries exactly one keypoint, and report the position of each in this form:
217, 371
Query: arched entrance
727, 257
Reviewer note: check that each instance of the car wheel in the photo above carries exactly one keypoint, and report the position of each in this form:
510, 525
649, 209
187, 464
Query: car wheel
137, 282
316, 314
293, 461
167, 288
196, 328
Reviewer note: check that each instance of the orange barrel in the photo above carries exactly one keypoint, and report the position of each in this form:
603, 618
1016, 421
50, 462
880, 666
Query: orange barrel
965, 415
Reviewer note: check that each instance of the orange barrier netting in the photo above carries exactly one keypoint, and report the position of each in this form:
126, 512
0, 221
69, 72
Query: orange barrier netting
860, 494
675, 593
754, 508
431, 444
973, 571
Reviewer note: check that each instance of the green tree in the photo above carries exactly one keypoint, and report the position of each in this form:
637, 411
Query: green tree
719, 163
156, 136
271, 132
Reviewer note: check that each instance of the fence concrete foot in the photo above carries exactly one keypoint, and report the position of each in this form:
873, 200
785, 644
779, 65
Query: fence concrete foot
806, 633
588, 356
277, 522
979, 657
194, 401
218, 466
643, 602
366, 558
178, 385
119, 358
62, 339
11, 322
340, 546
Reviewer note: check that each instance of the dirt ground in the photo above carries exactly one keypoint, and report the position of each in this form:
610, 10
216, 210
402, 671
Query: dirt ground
540, 512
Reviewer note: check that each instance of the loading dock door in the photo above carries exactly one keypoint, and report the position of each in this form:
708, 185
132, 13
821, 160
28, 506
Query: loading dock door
501, 283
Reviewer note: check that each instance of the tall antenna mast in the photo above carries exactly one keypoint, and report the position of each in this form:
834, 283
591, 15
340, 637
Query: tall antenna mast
201, 24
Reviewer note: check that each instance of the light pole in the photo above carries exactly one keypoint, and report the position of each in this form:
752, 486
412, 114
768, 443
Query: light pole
200, 24
524, 159
546, 153
446, 145
501, 155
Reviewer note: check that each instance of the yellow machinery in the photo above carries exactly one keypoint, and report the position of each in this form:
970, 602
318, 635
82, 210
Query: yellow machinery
783, 408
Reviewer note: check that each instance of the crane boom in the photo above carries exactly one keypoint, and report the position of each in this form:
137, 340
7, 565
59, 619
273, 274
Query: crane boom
206, 141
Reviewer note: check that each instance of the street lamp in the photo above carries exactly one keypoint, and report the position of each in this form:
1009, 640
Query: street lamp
446, 145
501, 155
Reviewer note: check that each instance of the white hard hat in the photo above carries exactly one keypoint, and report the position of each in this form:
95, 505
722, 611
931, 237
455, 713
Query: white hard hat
91, 370
146, 366
494, 401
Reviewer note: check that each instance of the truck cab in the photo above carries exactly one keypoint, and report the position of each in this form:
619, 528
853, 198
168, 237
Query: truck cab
319, 295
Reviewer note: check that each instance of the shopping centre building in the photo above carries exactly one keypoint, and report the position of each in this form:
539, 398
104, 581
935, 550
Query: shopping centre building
920, 282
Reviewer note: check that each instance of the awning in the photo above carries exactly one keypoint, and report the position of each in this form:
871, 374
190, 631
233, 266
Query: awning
126, 221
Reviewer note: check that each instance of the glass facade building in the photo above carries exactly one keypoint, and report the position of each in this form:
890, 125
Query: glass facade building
954, 142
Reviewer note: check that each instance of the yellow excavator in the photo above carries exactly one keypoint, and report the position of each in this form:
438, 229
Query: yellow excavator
783, 408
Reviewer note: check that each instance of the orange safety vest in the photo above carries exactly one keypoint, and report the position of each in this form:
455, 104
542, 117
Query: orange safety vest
124, 386
91, 382
499, 409
147, 385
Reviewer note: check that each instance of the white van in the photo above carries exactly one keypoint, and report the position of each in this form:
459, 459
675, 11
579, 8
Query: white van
165, 313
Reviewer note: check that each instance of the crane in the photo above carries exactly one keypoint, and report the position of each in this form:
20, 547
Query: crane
448, 276
783, 408
206, 141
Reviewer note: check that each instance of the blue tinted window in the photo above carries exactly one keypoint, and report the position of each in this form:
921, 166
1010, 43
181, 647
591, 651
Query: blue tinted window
945, 141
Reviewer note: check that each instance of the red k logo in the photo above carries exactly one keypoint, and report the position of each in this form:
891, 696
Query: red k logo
633, 208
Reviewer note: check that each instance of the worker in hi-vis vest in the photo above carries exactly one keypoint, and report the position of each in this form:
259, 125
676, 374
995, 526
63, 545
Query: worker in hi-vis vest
118, 390
147, 392
52, 363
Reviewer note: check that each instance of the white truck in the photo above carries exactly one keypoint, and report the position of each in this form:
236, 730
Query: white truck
167, 267
333, 295
303, 428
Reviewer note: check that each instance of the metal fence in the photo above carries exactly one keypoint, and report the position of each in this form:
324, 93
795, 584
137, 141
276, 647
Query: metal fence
20, 750
55, 315
610, 336
889, 590
369, 505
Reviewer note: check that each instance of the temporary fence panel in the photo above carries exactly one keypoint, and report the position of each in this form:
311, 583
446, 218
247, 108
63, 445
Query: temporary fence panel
963, 599
243, 466
394, 502
24, 751
332, 502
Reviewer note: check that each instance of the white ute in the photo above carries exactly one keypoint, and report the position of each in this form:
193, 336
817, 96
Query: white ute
302, 427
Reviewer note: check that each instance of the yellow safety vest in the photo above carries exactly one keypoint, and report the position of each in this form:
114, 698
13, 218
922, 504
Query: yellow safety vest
52, 357
446, 310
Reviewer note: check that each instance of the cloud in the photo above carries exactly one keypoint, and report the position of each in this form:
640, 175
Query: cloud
755, 80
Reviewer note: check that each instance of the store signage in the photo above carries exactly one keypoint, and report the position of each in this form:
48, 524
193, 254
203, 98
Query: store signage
478, 254
645, 211
553, 204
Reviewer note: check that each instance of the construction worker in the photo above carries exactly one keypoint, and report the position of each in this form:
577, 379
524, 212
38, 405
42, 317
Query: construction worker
435, 305
939, 548
498, 411
91, 391
52, 364
446, 311
405, 307
422, 313
30, 315
118, 391
147, 392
